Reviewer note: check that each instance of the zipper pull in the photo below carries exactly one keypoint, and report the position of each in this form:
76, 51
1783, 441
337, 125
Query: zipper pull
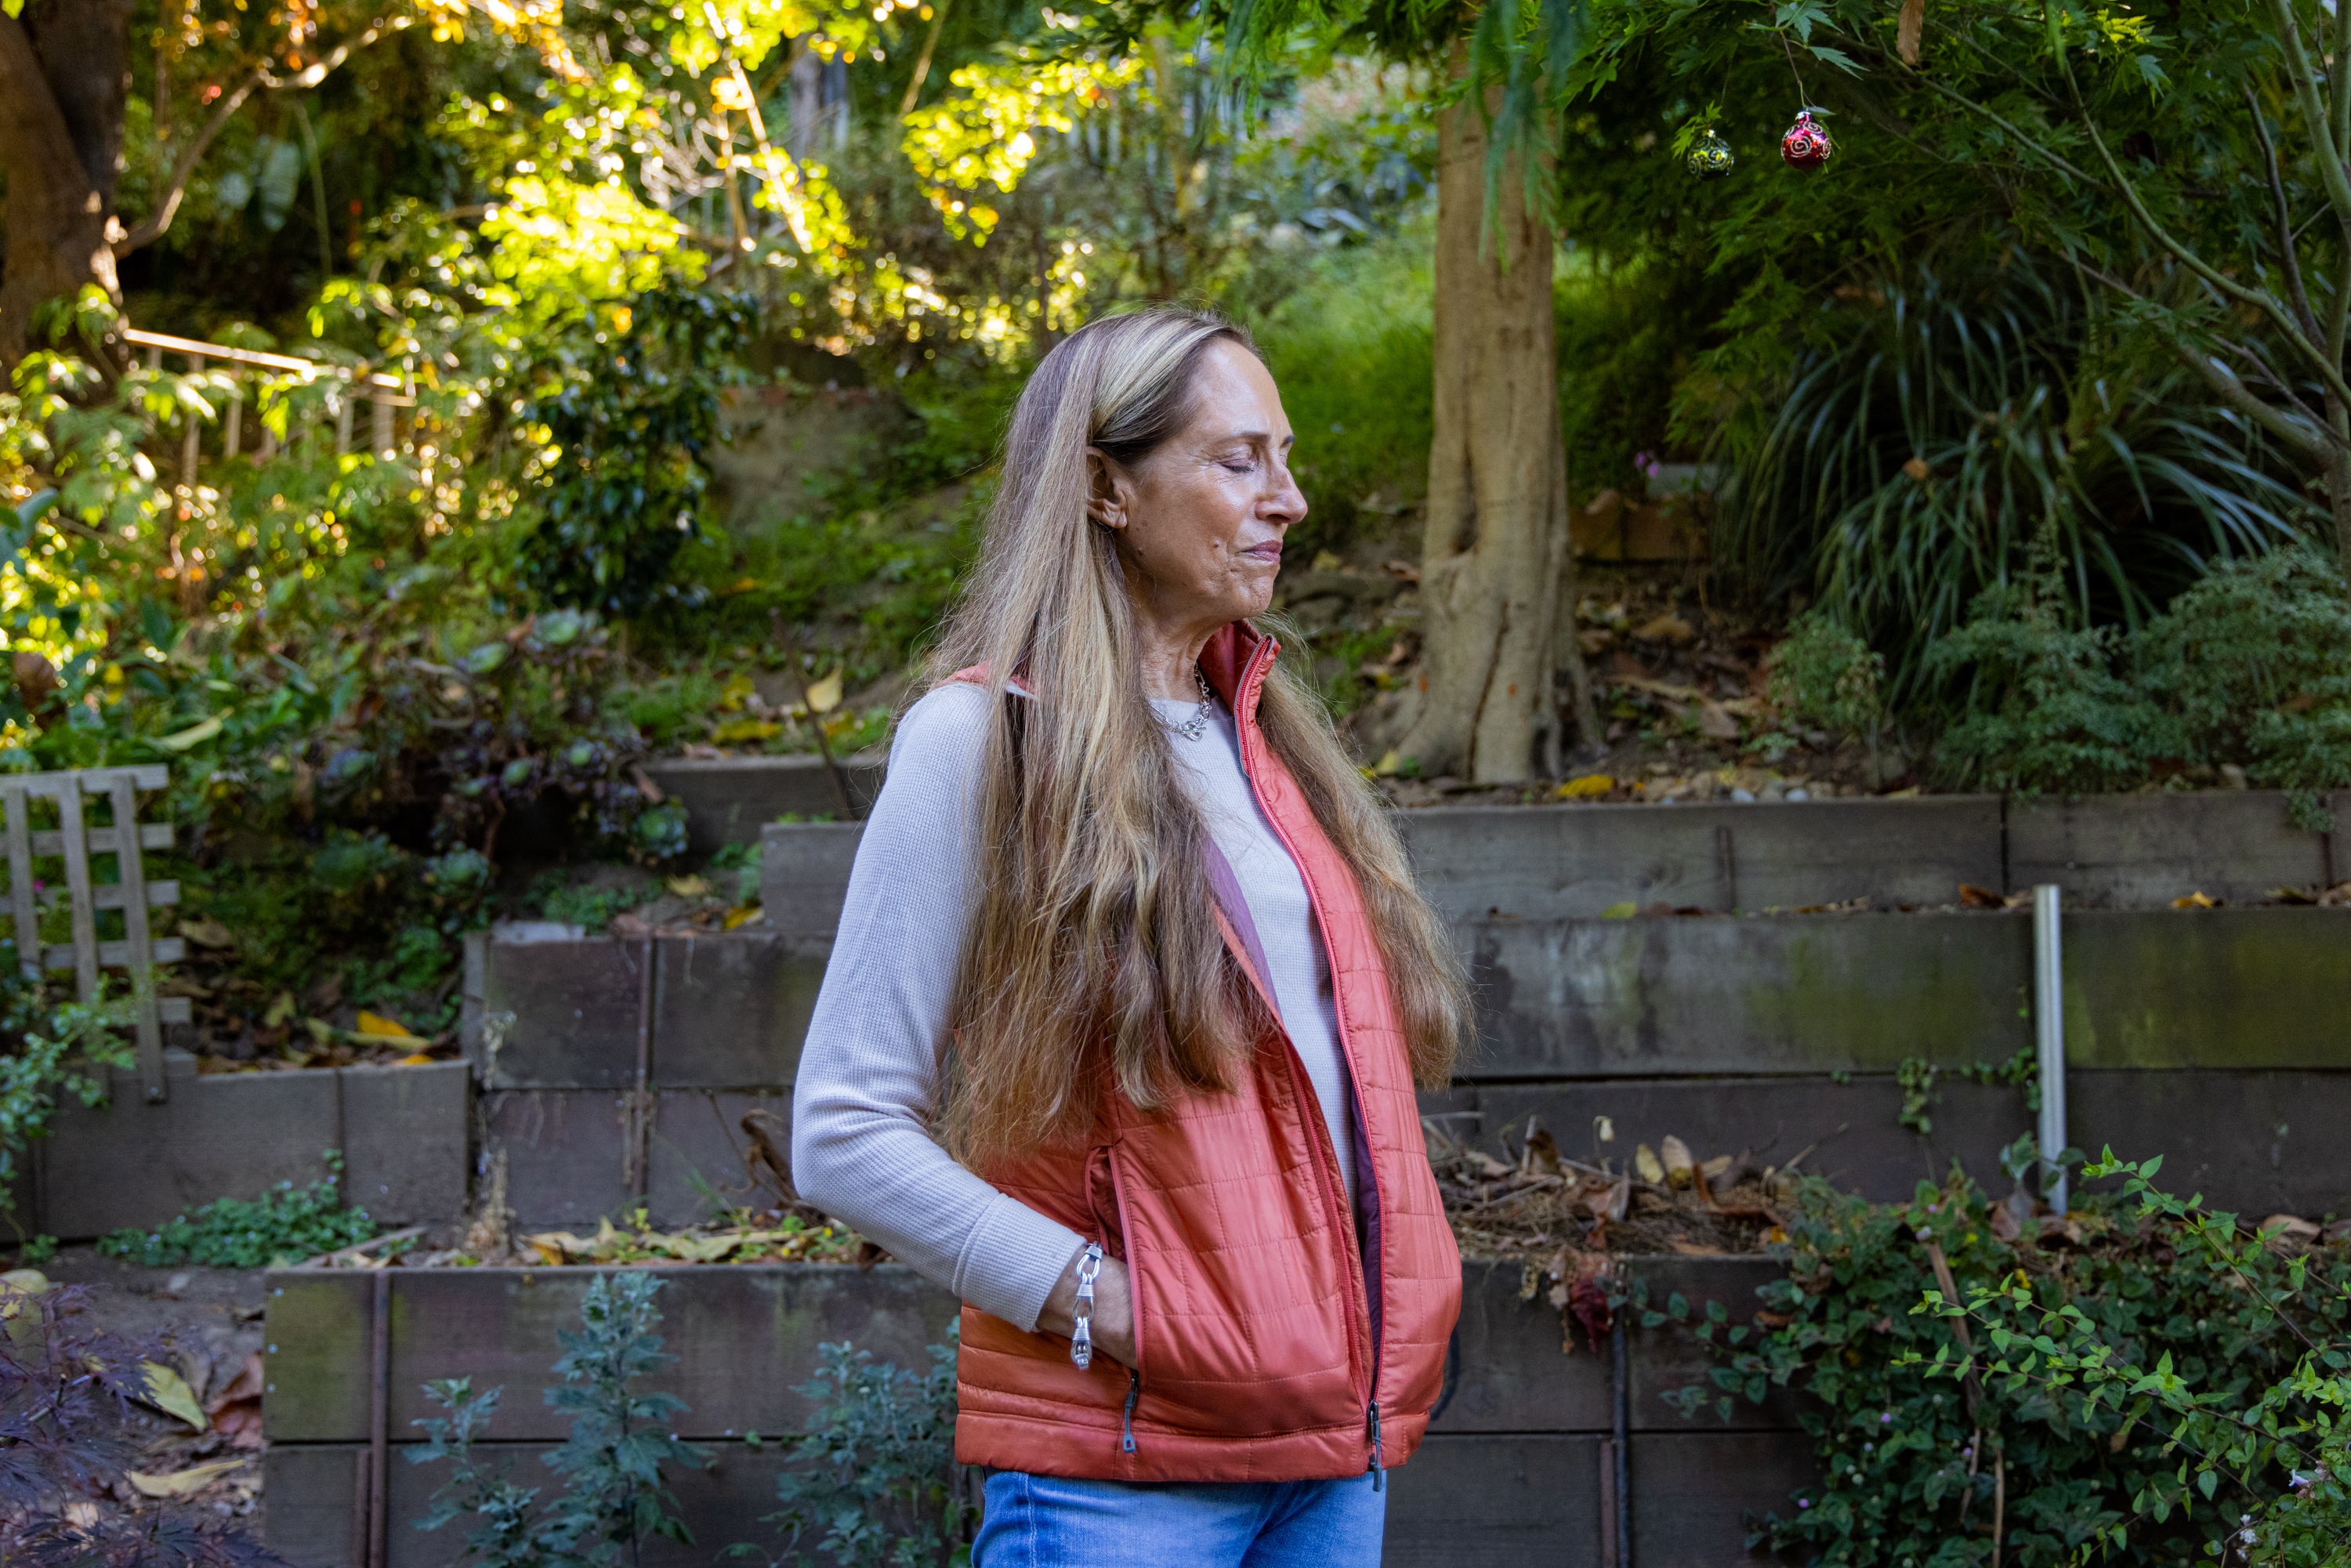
1379, 1471
1126, 1421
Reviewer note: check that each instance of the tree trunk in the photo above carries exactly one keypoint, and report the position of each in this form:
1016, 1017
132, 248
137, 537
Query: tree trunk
1495, 550
65, 76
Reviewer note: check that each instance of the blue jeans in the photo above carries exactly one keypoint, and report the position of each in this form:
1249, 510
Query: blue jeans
1045, 1522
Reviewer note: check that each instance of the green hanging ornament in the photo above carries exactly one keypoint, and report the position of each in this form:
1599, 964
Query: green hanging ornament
1709, 155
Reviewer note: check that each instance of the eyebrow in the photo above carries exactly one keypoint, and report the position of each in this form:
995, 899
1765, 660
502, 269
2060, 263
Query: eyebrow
1256, 436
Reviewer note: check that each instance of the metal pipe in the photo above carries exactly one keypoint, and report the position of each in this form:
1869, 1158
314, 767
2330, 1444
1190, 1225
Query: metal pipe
2049, 1033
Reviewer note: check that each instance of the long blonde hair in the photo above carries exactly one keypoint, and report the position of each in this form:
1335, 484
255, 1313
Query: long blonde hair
1095, 958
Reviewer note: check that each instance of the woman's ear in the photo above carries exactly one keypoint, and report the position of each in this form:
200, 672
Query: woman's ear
1110, 494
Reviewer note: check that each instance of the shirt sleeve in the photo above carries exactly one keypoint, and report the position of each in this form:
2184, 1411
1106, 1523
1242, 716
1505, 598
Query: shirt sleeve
873, 1063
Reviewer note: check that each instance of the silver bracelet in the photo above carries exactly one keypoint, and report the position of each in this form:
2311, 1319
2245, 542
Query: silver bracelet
1082, 1334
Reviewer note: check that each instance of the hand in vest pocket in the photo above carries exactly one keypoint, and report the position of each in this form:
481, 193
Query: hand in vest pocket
1113, 1313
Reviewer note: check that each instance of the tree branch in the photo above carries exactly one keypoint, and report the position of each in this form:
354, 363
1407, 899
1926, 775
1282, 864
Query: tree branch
2332, 173
2261, 299
2309, 434
2290, 258
183, 169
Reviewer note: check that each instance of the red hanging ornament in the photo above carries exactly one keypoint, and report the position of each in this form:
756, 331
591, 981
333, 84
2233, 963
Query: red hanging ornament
1807, 144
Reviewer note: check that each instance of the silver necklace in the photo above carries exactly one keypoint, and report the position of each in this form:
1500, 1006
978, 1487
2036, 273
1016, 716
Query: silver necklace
1196, 727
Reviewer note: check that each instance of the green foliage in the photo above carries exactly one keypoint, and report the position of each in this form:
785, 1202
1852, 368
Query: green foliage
1944, 434
1824, 676
628, 422
614, 1465
588, 906
1917, 1077
57, 1048
1911, 1454
283, 1226
2251, 667
2275, 1440
736, 869
879, 1482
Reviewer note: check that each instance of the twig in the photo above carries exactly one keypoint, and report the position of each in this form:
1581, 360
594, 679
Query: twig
327, 1259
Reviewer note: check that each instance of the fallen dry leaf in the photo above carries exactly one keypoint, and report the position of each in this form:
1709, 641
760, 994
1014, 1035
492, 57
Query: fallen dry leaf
383, 1026
1974, 897
1585, 788
205, 932
169, 1392
1666, 628
825, 694
1695, 1250
689, 886
1678, 1162
1645, 1160
182, 1483
2194, 901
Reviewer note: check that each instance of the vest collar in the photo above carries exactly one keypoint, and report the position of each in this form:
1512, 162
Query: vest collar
1236, 661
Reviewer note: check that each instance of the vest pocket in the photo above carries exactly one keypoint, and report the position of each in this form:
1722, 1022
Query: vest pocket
1229, 1341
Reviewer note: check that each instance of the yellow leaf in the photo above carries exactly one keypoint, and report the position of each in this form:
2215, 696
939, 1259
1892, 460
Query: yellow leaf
281, 1011
737, 730
205, 932
1624, 911
17, 1289
1583, 788
1387, 766
377, 1024
743, 914
740, 585
735, 693
182, 1483
825, 695
195, 734
689, 886
321, 1030
421, 1058
169, 1392
1652, 1169
2193, 901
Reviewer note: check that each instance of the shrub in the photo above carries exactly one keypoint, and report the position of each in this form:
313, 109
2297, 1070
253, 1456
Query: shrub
2252, 665
613, 1465
629, 421
1824, 676
2145, 1376
1941, 431
880, 1476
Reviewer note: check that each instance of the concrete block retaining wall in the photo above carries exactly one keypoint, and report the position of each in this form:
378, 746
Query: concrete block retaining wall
402, 1131
1730, 1032
1514, 1461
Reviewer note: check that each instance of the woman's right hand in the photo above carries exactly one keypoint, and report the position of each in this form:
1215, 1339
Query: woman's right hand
1114, 1315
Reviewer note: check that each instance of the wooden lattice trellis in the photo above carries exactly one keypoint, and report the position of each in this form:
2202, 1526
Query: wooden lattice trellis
78, 841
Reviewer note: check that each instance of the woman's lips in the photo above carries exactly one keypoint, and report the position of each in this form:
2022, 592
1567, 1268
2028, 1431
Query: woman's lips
1270, 550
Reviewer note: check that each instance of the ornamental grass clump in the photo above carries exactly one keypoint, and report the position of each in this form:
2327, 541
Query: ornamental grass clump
2140, 1380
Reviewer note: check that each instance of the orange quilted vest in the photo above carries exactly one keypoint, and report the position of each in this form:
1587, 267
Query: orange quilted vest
1273, 1345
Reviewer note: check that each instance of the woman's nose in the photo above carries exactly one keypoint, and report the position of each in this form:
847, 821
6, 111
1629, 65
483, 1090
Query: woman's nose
1287, 502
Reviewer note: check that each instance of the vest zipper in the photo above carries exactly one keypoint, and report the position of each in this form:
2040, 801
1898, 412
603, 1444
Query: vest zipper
1135, 1392
1241, 731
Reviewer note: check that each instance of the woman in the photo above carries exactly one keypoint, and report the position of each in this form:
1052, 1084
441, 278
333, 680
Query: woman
1129, 932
